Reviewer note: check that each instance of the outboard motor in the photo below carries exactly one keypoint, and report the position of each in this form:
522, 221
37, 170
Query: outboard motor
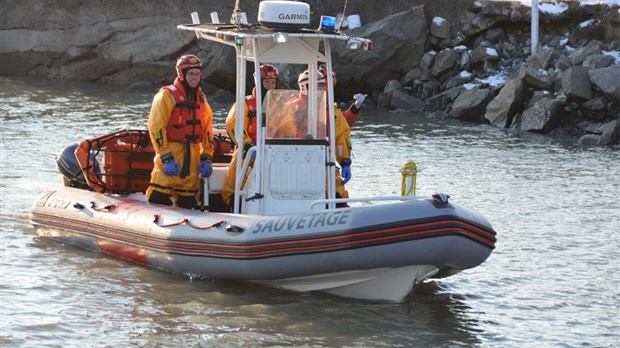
68, 166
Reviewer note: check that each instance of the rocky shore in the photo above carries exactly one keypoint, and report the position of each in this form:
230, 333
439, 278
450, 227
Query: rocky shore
482, 69
469, 60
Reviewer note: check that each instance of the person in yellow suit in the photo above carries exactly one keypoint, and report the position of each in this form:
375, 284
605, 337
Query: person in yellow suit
268, 80
299, 103
343, 152
181, 129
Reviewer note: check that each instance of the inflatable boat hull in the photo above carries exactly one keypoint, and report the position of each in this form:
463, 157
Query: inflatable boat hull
372, 252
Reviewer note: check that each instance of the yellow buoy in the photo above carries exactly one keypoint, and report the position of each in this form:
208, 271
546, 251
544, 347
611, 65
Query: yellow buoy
409, 173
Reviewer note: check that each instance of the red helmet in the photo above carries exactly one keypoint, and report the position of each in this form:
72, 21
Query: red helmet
188, 61
323, 70
268, 71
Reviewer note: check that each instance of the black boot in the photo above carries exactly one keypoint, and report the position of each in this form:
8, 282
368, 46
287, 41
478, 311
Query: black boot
341, 205
158, 197
187, 202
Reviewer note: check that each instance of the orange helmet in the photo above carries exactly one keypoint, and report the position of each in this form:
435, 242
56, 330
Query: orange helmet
188, 61
268, 71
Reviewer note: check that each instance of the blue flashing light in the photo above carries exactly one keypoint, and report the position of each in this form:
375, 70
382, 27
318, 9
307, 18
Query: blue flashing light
328, 24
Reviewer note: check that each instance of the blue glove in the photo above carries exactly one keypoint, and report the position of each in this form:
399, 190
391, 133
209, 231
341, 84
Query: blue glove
171, 167
247, 147
346, 170
205, 168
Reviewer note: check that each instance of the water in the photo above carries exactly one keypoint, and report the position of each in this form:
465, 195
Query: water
551, 282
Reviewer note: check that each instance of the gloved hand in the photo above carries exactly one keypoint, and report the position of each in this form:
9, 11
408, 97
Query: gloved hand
171, 167
205, 168
346, 170
359, 99
247, 147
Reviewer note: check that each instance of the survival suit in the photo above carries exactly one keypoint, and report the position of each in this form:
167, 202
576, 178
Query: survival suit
183, 127
342, 132
249, 140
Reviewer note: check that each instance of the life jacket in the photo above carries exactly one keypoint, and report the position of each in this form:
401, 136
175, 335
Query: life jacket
250, 101
183, 124
300, 105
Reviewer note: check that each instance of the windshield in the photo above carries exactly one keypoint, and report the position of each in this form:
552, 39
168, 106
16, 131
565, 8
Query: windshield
291, 115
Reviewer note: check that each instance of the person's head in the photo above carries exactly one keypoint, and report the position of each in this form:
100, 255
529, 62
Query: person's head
304, 81
269, 77
323, 70
189, 70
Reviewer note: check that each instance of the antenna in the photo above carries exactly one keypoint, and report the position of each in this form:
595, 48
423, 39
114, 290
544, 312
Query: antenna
344, 11
235, 18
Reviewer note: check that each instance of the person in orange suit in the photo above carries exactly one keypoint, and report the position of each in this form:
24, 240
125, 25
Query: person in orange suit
352, 113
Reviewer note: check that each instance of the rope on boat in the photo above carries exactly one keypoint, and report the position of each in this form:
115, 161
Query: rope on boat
409, 172
188, 222
93, 206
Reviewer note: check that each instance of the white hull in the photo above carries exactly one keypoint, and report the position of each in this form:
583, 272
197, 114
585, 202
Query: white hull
388, 284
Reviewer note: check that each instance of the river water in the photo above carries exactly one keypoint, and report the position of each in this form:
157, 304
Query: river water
551, 282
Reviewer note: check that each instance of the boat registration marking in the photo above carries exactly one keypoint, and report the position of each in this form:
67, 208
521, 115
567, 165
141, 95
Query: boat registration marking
57, 203
302, 222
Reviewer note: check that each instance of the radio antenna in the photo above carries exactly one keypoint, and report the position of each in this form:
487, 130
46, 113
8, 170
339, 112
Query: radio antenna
344, 10
235, 18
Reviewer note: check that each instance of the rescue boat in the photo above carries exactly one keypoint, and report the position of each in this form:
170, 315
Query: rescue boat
285, 230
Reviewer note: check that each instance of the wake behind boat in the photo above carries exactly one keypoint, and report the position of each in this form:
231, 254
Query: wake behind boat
285, 230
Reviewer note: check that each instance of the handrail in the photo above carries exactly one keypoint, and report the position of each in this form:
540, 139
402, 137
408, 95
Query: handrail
365, 199
245, 164
205, 28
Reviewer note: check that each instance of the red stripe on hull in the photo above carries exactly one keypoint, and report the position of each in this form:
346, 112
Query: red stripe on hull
370, 237
129, 252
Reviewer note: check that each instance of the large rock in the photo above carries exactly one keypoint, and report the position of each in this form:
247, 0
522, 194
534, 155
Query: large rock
543, 59
596, 109
460, 79
537, 79
440, 28
580, 54
481, 54
599, 61
611, 133
444, 61
607, 80
395, 97
471, 104
427, 60
576, 83
506, 104
542, 117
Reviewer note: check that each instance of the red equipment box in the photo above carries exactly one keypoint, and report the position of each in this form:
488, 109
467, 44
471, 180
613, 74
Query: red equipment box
127, 167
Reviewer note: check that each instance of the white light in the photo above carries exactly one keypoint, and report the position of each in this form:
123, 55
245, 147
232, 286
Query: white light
280, 38
195, 18
215, 19
354, 44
